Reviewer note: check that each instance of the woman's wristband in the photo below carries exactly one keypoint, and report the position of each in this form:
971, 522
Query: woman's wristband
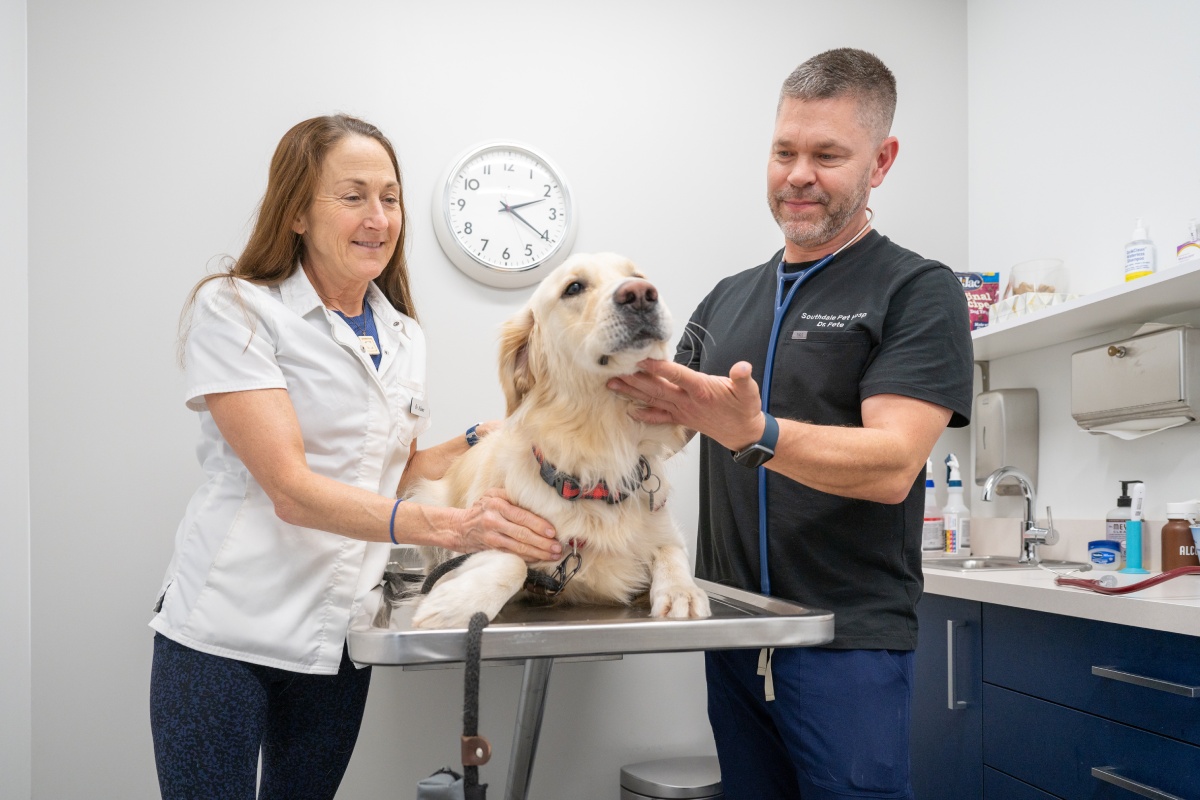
392, 522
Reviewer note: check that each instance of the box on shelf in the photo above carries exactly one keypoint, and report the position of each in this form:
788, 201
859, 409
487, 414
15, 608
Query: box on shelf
982, 289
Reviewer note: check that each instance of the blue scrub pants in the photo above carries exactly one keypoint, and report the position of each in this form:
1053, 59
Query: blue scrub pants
210, 716
838, 727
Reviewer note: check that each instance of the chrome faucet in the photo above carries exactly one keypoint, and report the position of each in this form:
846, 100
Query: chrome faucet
1031, 534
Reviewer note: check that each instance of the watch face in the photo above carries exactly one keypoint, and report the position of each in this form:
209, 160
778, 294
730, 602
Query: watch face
504, 214
753, 456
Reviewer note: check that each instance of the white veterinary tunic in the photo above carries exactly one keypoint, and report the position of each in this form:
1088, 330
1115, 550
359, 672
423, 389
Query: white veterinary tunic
243, 583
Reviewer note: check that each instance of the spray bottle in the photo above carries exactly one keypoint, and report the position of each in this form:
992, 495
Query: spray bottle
932, 535
956, 517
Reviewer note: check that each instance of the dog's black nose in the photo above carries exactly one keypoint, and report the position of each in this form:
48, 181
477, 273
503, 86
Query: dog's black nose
636, 294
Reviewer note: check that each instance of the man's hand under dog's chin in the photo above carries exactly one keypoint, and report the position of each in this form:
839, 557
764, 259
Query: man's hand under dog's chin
727, 410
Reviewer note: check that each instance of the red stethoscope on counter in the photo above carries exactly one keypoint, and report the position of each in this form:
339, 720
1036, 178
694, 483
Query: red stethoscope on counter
1107, 584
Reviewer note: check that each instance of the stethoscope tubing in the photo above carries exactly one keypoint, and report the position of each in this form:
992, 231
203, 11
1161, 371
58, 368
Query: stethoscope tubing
781, 308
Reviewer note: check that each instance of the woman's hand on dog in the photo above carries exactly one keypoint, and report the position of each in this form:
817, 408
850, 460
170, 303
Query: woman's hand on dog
494, 523
727, 410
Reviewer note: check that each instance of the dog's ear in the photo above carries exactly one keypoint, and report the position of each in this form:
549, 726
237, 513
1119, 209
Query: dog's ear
517, 367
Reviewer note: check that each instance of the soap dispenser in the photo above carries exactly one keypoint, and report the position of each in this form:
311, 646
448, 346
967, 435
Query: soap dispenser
1114, 522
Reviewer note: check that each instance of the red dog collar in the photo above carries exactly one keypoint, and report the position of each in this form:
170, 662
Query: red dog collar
568, 486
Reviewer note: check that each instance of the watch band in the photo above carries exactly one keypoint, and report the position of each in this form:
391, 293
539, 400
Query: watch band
472, 435
763, 450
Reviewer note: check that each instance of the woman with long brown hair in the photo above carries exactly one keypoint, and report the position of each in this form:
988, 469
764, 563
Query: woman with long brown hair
307, 367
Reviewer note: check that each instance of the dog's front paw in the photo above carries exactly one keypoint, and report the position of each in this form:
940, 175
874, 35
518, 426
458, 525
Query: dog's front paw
442, 610
679, 601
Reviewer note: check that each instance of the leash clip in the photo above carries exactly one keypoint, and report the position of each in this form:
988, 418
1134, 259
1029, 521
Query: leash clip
552, 585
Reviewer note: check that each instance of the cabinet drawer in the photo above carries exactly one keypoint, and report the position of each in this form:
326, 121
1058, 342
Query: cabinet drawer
998, 786
1052, 656
1056, 748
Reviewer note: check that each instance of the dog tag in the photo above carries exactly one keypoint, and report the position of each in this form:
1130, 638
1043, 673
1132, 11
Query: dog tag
368, 345
418, 408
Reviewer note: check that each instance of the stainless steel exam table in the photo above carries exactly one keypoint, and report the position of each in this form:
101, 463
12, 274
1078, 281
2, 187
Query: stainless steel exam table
536, 634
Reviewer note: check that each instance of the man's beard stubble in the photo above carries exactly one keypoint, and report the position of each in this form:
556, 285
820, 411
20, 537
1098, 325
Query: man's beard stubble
809, 235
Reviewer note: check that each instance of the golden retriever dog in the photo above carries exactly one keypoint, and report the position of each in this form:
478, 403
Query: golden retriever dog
570, 452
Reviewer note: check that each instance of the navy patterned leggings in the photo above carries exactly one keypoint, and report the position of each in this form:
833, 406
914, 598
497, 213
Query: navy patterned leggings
211, 715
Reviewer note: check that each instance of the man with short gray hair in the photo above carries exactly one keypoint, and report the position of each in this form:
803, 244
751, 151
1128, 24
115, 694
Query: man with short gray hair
862, 351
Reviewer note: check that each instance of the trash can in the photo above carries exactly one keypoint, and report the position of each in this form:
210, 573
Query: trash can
692, 777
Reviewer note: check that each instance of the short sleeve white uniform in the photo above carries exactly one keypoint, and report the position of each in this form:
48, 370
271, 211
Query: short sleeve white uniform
243, 583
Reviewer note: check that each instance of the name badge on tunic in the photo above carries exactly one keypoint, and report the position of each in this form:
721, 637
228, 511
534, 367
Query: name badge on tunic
799, 334
418, 408
368, 345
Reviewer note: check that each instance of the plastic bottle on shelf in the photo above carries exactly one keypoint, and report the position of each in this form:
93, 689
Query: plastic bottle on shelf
956, 517
1189, 251
1139, 253
931, 532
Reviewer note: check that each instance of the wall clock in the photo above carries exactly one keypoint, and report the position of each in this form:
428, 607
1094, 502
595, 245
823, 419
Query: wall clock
504, 215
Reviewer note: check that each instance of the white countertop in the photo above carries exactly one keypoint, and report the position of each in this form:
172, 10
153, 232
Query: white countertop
1170, 606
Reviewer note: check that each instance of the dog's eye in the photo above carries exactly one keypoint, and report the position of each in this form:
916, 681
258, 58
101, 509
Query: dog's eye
573, 288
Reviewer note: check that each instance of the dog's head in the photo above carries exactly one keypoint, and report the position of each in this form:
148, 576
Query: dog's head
595, 315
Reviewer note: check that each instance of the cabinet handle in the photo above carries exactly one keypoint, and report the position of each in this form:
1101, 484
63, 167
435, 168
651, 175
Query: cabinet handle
1108, 775
1149, 683
952, 701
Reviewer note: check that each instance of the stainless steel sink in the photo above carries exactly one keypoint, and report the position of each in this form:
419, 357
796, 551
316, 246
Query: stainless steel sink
990, 563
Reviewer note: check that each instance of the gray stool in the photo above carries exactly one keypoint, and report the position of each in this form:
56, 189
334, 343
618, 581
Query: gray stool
693, 777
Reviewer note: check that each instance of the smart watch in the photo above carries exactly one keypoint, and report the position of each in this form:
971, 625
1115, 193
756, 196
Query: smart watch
761, 451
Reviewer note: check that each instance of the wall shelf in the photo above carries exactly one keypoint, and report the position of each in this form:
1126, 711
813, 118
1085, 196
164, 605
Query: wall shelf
1173, 290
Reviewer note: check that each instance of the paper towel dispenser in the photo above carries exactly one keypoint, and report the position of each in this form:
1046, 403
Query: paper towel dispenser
1005, 422
1138, 385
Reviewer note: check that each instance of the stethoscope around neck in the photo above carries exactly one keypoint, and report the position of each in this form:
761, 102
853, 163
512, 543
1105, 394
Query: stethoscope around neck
782, 302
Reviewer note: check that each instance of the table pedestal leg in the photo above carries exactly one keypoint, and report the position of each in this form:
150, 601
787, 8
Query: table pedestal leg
529, 725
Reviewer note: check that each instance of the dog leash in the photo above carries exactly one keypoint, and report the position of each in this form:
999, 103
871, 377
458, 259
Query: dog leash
536, 582
476, 750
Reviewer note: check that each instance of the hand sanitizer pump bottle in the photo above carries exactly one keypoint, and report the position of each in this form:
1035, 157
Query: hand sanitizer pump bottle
932, 531
956, 517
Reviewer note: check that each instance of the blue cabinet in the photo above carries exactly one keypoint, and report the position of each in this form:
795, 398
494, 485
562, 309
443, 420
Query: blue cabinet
1060, 750
1052, 656
998, 786
1049, 706
947, 728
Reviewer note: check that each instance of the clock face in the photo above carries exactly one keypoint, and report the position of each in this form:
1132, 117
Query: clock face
504, 215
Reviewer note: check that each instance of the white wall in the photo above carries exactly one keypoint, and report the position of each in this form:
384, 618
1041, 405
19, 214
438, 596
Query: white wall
1083, 117
15, 713
151, 125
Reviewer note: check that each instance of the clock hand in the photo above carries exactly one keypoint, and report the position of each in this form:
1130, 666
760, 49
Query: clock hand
522, 205
535, 230
509, 209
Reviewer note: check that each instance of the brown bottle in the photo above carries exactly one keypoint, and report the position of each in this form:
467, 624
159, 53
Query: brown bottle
1178, 547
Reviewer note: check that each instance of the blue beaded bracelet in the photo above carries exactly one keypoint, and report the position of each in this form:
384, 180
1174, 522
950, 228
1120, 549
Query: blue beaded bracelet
392, 522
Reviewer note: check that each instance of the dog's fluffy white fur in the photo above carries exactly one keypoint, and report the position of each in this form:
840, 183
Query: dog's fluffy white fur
594, 317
